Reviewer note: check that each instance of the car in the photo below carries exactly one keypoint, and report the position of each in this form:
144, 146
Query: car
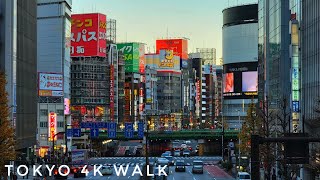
177, 153
243, 176
183, 146
106, 170
186, 153
171, 161
158, 176
165, 154
163, 162
197, 167
188, 142
57, 175
169, 152
78, 171
180, 166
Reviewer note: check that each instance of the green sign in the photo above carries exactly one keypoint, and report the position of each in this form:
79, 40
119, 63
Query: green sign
131, 56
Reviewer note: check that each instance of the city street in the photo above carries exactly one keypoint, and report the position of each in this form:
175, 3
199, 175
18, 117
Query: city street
211, 170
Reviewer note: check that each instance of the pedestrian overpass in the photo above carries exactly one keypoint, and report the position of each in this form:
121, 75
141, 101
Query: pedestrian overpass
173, 135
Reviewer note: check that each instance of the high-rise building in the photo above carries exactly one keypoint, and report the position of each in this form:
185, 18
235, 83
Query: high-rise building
310, 66
54, 18
240, 56
208, 55
18, 54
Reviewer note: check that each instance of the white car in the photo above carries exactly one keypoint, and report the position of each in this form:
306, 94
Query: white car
106, 170
188, 142
243, 176
183, 146
177, 153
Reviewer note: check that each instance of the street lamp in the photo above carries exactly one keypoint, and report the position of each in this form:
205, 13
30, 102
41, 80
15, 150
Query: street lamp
239, 137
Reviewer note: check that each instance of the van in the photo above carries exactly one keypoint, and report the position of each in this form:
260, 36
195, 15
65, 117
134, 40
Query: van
243, 176
197, 167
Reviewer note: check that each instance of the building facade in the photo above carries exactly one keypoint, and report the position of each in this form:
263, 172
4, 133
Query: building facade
18, 52
54, 33
208, 55
240, 26
310, 65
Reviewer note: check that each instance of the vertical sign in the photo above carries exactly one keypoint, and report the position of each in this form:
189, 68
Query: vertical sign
112, 130
52, 127
127, 98
142, 60
88, 35
112, 92
140, 129
128, 130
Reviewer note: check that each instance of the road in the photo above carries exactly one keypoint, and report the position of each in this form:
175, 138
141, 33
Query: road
211, 170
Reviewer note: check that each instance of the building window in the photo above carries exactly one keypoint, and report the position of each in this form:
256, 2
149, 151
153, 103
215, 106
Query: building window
60, 112
43, 112
43, 124
60, 124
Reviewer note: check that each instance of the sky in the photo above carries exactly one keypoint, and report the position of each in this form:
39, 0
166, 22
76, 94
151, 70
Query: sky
147, 20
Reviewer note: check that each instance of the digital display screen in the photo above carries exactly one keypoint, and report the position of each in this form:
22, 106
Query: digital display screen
250, 81
240, 80
228, 83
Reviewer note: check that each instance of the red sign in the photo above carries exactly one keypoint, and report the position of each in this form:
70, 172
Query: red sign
88, 35
198, 91
52, 127
179, 47
111, 92
142, 60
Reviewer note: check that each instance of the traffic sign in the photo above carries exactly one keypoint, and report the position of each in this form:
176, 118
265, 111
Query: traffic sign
128, 130
94, 133
76, 132
140, 130
112, 130
69, 133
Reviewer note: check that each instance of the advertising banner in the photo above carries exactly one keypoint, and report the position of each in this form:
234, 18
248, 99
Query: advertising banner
112, 92
179, 46
127, 98
52, 126
131, 56
142, 60
140, 130
50, 84
240, 80
168, 61
66, 106
88, 35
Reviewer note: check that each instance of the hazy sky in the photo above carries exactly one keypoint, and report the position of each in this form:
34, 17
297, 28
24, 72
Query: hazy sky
147, 20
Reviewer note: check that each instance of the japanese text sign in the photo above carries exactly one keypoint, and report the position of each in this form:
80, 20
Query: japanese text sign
52, 127
88, 35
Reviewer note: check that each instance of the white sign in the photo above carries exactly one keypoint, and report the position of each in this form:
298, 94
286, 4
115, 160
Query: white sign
51, 81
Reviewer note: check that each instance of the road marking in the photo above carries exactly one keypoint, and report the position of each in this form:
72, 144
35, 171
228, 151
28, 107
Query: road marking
194, 178
129, 177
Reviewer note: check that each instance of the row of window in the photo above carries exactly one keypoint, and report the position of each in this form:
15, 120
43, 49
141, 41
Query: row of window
93, 76
93, 68
45, 112
45, 124
88, 100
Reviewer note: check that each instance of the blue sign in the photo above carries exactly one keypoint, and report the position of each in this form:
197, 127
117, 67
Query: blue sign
112, 130
140, 130
94, 125
94, 133
69, 132
76, 132
295, 106
128, 130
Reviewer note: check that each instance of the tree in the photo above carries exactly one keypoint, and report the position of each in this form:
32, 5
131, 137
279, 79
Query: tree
251, 125
7, 140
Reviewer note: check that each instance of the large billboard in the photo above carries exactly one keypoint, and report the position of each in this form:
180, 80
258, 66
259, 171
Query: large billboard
179, 47
240, 80
132, 56
167, 60
88, 35
142, 60
50, 84
88, 113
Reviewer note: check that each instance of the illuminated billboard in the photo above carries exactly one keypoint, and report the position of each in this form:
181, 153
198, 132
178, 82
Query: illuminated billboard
240, 80
52, 126
66, 106
88, 113
88, 35
167, 60
179, 46
133, 57
50, 84
112, 92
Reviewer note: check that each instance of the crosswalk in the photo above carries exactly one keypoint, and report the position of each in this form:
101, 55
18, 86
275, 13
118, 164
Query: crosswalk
175, 158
